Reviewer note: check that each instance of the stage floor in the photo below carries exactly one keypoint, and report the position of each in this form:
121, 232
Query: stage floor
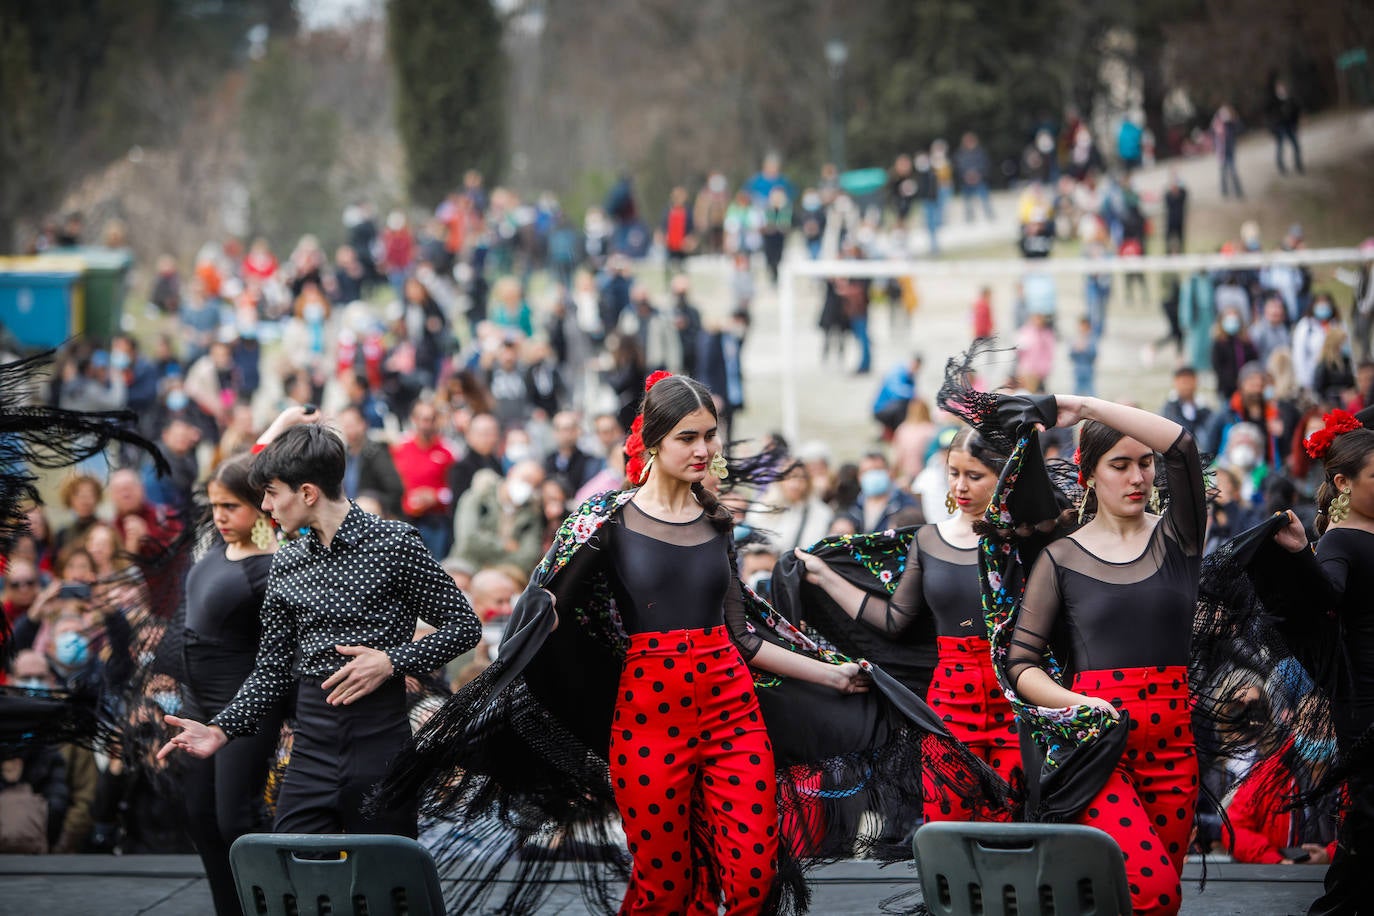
175, 886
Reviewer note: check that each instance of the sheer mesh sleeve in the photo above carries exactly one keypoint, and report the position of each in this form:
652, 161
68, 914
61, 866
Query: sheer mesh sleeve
1186, 514
745, 640
906, 604
1039, 610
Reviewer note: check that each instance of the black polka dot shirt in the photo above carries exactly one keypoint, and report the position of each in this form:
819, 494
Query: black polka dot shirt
365, 589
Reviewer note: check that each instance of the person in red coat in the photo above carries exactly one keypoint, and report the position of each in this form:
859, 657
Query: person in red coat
1265, 828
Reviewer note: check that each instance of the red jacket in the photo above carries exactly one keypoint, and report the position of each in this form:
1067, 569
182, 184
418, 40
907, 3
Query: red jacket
1261, 822
423, 468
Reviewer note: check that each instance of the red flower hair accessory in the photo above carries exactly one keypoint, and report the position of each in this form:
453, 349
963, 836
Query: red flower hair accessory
634, 451
1078, 460
654, 378
1337, 422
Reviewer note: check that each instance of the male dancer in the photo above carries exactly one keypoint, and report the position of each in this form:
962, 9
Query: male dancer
338, 621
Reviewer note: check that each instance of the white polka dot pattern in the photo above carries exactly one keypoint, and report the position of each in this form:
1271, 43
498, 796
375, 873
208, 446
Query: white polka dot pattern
365, 589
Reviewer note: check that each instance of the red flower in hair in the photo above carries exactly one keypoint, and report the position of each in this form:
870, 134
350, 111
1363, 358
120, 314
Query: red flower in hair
654, 378
1078, 460
634, 451
1337, 422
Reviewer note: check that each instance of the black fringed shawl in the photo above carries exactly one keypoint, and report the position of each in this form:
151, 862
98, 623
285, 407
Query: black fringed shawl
516, 761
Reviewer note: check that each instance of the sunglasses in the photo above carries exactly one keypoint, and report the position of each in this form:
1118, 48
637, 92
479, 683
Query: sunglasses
23, 583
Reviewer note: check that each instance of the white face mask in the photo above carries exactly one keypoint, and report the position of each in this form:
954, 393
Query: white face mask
1243, 456
519, 492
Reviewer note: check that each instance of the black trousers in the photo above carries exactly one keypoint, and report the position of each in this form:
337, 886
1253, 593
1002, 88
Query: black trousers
223, 794
1349, 883
338, 755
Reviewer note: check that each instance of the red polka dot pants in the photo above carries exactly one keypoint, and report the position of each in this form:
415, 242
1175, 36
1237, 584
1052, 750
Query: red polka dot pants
1147, 804
689, 746
965, 693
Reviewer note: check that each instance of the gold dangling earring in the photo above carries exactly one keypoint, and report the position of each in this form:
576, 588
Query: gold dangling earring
1339, 508
263, 535
719, 466
1083, 503
652, 453
1154, 501
950, 504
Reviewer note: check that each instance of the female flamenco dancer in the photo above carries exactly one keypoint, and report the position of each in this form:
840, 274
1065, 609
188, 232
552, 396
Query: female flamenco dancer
639, 675
224, 594
1343, 584
688, 743
939, 591
1116, 601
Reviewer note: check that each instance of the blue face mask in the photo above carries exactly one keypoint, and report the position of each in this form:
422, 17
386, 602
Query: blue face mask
1322, 312
1230, 324
169, 701
70, 649
1315, 750
875, 482
32, 683
742, 532
177, 400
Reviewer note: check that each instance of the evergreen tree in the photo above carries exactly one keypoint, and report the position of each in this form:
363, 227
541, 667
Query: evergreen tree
450, 84
291, 148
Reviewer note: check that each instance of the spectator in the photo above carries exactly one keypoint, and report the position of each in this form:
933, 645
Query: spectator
1083, 359
81, 495
973, 167
556, 499
981, 316
1231, 349
901, 188
895, 393
508, 384
1270, 330
483, 453
509, 309
928, 192
567, 462
720, 368
798, 517
1309, 334
172, 492
1265, 827
777, 225
1284, 111
1333, 380
708, 213
370, 467
423, 462
1035, 349
1225, 129
1130, 138
501, 520
1184, 408
879, 501
655, 333
33, 800
138, 373
30, 670
687, 321
1175, 214
544, 384
678, 230
144, 529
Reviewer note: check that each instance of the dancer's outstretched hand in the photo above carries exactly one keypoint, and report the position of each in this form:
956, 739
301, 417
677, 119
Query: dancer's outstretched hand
196, 738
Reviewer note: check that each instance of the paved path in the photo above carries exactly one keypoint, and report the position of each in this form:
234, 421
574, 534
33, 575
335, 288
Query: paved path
835, 404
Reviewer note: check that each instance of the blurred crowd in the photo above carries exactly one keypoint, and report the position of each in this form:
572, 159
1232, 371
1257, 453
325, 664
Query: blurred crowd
482, 365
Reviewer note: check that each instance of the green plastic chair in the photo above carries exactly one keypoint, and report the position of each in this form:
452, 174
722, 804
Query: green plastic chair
288, 874
977, 869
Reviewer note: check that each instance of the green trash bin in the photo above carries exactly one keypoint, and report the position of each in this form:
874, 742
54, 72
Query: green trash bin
105, 282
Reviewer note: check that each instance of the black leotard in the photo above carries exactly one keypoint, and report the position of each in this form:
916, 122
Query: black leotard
224, 598
1104, 616
676, 576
